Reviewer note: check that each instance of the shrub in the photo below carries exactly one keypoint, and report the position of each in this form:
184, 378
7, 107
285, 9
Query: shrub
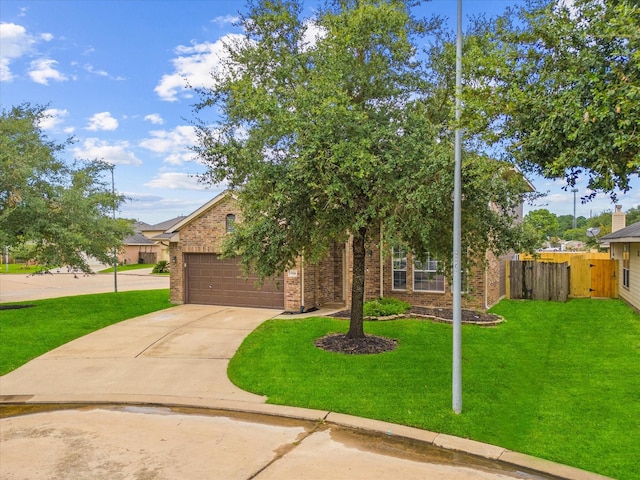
384, 307
161, 267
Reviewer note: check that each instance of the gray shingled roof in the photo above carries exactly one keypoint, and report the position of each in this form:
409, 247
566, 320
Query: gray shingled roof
164, 225
140, 226
632, 232
138, 239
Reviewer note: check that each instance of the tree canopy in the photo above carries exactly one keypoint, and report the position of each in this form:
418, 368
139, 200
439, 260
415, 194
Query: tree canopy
60, 213
340, 135
558, 85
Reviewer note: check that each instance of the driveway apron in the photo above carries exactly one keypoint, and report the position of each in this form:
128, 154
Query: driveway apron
180, 353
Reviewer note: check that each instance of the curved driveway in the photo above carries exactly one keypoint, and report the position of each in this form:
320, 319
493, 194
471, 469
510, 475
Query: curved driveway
159, 405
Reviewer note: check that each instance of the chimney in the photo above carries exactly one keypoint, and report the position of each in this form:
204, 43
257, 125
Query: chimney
618, 219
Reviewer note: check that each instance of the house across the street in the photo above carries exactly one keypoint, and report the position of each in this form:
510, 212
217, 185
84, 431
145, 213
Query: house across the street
147, 244
199, 274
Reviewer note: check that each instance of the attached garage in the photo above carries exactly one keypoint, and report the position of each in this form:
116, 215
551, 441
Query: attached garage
212, 280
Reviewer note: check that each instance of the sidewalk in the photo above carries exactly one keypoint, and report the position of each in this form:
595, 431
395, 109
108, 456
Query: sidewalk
151, 396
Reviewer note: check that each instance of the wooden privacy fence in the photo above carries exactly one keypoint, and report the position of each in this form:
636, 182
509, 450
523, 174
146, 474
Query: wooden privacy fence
533, 280
572, 275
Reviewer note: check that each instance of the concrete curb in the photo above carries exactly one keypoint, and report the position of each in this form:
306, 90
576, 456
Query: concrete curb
376, 427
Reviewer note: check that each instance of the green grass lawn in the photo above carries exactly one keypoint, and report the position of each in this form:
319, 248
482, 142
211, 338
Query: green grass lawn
16, 268
29, 332
557, 381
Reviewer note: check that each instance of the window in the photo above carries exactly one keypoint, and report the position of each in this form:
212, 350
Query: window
231, 223
426, 277
399, 269
625, 265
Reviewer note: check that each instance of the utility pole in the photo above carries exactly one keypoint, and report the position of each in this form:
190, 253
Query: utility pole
457, 232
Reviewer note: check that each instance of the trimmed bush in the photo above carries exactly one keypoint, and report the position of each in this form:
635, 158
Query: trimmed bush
161, 267
385, 306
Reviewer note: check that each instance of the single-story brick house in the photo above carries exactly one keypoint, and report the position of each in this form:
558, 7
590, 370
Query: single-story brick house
199, 275
624, 246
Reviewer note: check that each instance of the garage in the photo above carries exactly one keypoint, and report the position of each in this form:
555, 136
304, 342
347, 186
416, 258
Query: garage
212, 280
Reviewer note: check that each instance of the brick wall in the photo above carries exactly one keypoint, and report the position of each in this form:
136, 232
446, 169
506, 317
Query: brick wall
477, 283
330, 280
203, 235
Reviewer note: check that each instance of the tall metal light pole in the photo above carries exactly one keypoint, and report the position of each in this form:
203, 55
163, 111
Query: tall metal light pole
457, 232
115, 249
575, 223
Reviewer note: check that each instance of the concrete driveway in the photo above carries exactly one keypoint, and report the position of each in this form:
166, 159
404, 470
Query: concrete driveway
149, 398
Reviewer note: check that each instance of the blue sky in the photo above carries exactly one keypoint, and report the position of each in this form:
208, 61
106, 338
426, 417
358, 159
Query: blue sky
114, 74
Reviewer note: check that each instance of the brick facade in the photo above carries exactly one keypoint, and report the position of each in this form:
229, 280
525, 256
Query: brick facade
329, 281
202, 235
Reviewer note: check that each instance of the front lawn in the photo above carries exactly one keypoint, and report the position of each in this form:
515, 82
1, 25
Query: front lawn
557, 381
26, 333
18, 268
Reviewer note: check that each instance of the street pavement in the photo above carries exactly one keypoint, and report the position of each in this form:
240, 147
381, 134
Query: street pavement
149, 398
22, 287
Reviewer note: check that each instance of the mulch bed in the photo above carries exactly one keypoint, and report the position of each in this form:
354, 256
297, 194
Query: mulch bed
437, 314
372, 344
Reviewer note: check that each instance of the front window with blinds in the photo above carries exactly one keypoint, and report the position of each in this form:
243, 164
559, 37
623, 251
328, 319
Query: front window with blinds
399, 269
426, 277
625, 265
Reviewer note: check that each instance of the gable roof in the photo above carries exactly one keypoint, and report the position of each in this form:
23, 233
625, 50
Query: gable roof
138, 239
173, 229
139, 226
628, 234
163, 225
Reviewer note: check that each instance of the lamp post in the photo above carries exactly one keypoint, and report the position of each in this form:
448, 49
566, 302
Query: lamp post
456, 389
115, 249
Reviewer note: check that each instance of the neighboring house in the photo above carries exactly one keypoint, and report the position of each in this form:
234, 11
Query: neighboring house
143, 246
624, 246
199, 275
156, 233
137, 248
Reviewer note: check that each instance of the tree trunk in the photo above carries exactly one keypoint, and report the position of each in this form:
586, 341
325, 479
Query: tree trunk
356, 326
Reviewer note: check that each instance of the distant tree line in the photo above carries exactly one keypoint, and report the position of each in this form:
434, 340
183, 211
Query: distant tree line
550, 228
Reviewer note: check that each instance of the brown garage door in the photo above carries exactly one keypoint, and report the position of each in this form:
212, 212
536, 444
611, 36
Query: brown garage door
211, 280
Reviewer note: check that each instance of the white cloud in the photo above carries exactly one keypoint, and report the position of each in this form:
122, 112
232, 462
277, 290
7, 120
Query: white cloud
225, 20
43, 69
154, 118
116, 153
101, 73
47, 37
52, 118
102, 121
193, 67
175, 181
173, 144
312, 34
15, 42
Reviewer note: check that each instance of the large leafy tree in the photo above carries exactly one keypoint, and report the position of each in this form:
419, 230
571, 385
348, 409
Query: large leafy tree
61, 213
542, 224
343, 136
558, 83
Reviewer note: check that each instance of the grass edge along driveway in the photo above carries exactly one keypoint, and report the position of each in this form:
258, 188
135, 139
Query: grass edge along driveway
27, 333
557, 381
